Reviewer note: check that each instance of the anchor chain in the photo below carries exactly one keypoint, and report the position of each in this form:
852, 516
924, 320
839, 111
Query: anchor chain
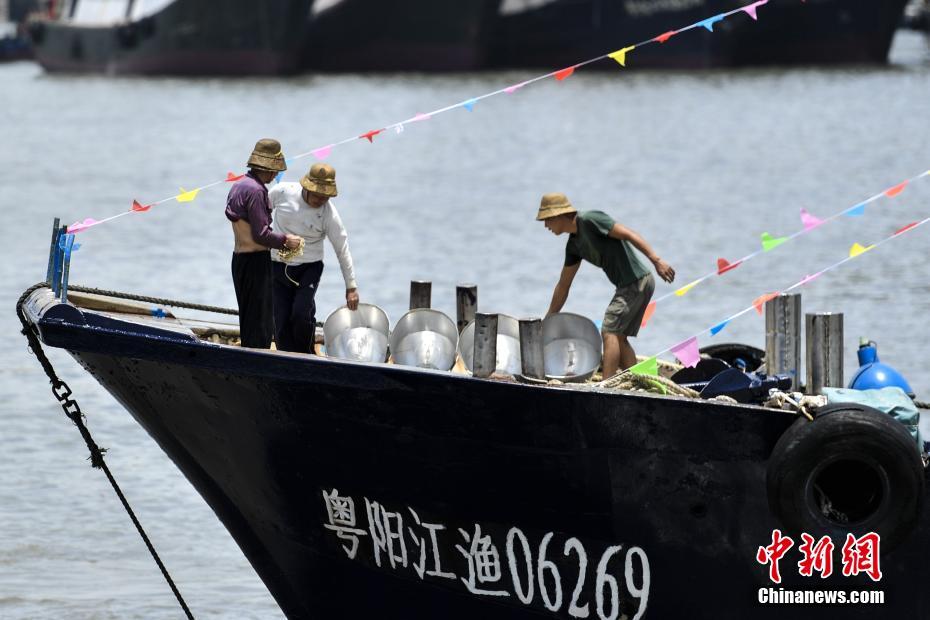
63, 393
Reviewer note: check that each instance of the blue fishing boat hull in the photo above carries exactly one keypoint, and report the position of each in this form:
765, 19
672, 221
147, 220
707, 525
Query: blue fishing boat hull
377, 491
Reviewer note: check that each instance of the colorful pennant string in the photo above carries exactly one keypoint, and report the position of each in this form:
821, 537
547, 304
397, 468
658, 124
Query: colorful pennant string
187, 196
768, 242
620, 56
140, 208
686, 346
650, 309
79, 226
232, 178
687, 352
897, 189
857, 249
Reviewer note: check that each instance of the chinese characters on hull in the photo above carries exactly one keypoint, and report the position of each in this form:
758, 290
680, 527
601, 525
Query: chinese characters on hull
548, 574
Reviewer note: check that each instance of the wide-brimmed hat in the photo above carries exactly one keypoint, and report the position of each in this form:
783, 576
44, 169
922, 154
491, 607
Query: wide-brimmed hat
321, 179
552, 205
267, 155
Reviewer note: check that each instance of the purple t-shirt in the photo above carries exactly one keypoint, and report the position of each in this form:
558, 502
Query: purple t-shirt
248, 200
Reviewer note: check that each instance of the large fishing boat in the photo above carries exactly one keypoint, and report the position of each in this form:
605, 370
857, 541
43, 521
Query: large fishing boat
375, 490
172, 37
554, 33
398, 35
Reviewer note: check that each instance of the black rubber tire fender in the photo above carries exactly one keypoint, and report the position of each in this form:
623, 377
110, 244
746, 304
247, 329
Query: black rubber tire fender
853, 469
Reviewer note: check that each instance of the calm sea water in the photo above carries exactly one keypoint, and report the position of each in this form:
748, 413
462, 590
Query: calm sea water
699, 163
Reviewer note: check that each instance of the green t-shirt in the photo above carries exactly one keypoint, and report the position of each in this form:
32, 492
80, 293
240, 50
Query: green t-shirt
615, 256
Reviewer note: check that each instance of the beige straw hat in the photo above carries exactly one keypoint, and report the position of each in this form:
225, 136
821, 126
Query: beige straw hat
267, 155
552, 205
321, 179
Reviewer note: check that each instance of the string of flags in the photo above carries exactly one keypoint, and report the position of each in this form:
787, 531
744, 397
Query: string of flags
768, 242
688, 351
620, 56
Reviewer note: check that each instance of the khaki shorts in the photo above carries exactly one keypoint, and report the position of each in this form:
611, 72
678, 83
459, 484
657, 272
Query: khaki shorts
626, 309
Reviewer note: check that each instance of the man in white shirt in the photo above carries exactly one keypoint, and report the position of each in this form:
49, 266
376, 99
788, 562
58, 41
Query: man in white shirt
305, 209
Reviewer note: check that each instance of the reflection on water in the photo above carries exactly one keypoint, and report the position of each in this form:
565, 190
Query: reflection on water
699, 163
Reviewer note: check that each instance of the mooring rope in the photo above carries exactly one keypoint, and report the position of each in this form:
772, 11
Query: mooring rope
63, 394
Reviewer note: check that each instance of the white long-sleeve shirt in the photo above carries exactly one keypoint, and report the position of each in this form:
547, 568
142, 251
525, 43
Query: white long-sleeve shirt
291, 215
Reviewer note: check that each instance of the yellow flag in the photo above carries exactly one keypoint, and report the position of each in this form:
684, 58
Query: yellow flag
620, 55
686, 288
857, 249
187, 196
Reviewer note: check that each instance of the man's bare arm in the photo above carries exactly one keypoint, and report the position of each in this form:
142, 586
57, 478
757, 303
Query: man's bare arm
560, 294
619, 231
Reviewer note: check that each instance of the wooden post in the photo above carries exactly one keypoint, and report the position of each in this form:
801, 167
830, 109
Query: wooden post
485, 353
531, 348
466, 304
824, 351
420, 293
783, 337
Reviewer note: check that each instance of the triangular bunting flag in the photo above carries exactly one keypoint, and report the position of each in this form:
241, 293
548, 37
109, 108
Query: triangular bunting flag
759, 302
716, 329
857, 249
230, 178
620, 55
646, 367
322, 152
665, 36
687, 287
371, 134
650, 310
751, 9
687, 352
564, 73
724, 266
187, 196
770, 243
891, 192
710, 21
905, 228
809, 221
856, 211
79, 226
139, 207
470, 104
512, 89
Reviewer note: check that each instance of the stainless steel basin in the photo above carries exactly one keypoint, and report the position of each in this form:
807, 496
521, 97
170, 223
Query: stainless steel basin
359, 335
425, 338
571, 347
508, 345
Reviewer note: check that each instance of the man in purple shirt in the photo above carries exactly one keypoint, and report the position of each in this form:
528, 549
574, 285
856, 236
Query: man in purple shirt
249, 210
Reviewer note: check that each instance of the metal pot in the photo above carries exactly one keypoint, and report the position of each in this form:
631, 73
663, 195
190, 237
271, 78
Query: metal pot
358, 335
508, 345
425, 338
571, 347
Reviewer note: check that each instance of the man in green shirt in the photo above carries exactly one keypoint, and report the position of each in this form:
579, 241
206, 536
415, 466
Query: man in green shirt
595, 237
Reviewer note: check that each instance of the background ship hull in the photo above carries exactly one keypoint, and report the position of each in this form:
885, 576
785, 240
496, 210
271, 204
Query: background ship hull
188, 37
400, 35
263, 436
787, 32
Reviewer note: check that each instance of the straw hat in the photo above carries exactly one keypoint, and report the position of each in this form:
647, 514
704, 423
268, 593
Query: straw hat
552, 205
321, 179
267, 155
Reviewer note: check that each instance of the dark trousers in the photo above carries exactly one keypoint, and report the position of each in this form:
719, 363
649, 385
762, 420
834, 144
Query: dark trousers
295, 305
251, 273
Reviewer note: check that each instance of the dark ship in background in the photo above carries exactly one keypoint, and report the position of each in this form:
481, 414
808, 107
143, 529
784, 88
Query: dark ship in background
241, 37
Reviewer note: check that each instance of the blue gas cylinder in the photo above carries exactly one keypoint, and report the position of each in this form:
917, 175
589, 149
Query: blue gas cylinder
873, 374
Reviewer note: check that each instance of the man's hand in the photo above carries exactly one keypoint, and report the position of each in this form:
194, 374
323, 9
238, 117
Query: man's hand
352, 298
291, 241
664, 270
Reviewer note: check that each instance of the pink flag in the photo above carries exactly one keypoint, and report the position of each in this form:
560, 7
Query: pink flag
687, 352
512, 89
419, 116
810, 278
323, 152
79, 226
809, 221
751, 9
